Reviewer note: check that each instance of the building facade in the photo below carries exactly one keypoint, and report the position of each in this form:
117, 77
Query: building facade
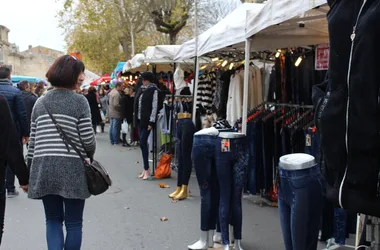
34, 62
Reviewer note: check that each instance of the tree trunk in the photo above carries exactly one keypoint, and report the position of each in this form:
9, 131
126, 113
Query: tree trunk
125, 45
173, 38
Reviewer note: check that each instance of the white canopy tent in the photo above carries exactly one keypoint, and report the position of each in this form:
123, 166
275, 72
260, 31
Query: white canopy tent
227, 35
282, 24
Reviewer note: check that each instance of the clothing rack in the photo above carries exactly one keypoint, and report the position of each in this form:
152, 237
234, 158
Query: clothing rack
290, 105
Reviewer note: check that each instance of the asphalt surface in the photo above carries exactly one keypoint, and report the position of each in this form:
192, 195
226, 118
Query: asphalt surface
128, 216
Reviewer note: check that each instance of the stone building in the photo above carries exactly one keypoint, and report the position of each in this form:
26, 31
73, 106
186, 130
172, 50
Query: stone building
35, 61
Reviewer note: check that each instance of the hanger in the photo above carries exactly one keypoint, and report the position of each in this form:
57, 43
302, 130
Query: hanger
300, 119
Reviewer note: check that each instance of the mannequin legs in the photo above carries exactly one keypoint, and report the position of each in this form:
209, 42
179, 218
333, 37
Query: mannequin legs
300, 207
231, 173
204, 164
185, 133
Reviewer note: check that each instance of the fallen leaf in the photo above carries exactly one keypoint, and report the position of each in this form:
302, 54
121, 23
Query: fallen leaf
174, 201
162, 185
164, 219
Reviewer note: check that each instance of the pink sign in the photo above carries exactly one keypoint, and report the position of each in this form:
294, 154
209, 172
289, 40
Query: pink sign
322, 56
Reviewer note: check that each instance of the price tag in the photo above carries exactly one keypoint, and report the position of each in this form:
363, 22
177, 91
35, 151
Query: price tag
226, 146
308, 140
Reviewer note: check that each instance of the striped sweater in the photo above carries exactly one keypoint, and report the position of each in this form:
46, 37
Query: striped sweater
55, 170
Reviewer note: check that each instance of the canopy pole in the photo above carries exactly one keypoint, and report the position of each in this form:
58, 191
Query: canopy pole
195, 89
248, 43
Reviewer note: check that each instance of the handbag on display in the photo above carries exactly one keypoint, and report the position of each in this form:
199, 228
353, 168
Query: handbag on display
98, 179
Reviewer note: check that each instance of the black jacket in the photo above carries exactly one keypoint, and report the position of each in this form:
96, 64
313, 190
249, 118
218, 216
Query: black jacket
95, 109
16, 105
10, 147
126, 103
29, 101
347, 103
149, 106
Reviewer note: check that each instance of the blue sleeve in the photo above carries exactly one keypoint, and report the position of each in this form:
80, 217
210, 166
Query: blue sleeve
22, 118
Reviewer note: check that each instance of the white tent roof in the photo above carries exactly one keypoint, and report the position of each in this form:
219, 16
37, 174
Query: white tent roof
161, 54
90, 77
228, 32
288, 23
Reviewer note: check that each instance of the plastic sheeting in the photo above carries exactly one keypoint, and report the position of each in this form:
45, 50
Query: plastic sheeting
161, 54
288, 23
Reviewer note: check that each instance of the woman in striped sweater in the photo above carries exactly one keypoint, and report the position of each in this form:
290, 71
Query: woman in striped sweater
56, 172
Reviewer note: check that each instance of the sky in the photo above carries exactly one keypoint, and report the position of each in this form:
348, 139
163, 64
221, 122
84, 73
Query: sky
33, 22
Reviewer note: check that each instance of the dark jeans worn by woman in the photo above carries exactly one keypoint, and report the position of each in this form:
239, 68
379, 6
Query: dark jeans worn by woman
143, 136
203, 156
300, 203
185, 134
69, 211
231, 173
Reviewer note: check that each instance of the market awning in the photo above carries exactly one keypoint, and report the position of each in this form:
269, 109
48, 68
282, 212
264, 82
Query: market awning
105, 78
161, 54
227, 35
288, 23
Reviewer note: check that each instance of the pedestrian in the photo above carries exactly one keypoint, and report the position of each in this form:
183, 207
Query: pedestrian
11, 155
95, 108
114, 114
104, 102
145, 114
28, 97
20, 119
40, 89
32, 88
126, 103
57, 174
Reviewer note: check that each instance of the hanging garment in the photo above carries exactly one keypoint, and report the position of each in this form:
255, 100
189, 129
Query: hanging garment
235, 99
205, 93
179, 80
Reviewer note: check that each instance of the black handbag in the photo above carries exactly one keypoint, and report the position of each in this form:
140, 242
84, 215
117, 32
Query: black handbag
98, 179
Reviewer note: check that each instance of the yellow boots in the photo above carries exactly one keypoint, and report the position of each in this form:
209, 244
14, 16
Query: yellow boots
183, 194
175, 193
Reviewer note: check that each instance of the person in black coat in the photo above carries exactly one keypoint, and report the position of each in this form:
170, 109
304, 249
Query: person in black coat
11, 155
28, 97
126, 103
95, 109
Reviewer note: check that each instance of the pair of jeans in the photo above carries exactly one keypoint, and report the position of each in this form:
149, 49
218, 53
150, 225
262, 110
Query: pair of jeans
143, 136
69, 211
300, 202
251, 173
203, 157
231, 172
184, 136
312, 145
10, 180
115, 127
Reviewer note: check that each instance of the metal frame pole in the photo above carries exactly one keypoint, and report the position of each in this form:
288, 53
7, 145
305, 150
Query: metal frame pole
248, 43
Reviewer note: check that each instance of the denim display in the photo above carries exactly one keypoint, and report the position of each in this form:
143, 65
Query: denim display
184, 138
231, 171
115, 128
203, 157
143, 136
300, 204
69, 211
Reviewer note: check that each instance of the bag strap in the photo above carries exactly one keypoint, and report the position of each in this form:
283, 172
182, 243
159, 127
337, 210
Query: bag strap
64, 137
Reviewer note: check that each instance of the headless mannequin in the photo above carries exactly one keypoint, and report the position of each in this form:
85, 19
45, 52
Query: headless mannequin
217, 236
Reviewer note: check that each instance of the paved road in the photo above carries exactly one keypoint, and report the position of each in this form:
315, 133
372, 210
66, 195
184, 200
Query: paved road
128, 216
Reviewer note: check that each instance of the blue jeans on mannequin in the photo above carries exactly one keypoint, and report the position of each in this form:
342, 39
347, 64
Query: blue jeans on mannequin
69, 211
231, 173
115, 127
144, 134
300, 202
203, 156
185, 134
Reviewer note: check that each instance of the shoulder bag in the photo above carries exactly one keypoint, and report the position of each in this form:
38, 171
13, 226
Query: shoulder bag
98, 179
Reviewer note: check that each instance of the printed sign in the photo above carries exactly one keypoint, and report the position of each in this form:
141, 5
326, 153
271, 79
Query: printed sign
322, 57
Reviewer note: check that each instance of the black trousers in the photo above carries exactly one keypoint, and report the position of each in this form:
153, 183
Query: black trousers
185, 134
2, 202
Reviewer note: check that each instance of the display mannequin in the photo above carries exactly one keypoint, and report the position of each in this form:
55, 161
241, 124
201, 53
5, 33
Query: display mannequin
203, 156
300, 201
232, 159
179, 79
184, 139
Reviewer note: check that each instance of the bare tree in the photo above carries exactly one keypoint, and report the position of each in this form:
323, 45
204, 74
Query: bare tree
212, 11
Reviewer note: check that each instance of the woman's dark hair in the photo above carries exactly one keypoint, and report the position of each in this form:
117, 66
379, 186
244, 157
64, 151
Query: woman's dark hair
65, 72
92, 90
